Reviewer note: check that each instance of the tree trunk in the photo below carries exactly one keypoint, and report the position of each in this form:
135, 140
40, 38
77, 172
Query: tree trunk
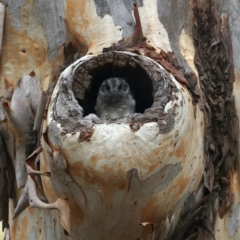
168, 171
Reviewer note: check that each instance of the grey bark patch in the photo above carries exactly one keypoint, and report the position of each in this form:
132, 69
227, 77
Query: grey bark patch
49, 231
20, 168
51, 15
2, 113
33, 234
15, 10
40, 111
53, 133
233, 219
24, 104
23, 202
102, 8
121, 12
231, 8
77, 194
174, 15
167, 174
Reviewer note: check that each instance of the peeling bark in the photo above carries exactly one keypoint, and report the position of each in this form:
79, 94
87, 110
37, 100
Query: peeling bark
214, 61
166, 172
25, 101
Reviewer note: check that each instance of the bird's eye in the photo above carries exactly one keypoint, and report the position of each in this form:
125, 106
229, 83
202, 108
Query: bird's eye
103, 89
108, 87
120, 87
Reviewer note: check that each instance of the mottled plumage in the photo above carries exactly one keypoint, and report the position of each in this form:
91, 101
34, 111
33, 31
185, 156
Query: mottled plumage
115, 99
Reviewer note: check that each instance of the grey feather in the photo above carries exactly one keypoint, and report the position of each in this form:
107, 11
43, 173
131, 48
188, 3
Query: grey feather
115, 99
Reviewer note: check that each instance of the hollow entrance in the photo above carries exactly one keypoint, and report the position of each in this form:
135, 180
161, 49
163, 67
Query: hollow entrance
94, 71
151, 84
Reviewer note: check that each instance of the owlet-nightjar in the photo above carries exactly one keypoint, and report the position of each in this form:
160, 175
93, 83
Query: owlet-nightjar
115, 99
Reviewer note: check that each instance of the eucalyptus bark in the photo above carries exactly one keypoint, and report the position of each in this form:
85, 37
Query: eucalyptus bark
169, 171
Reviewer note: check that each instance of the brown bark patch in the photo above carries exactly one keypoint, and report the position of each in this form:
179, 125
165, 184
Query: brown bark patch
77, 214
92, 177
86, 134
150, 209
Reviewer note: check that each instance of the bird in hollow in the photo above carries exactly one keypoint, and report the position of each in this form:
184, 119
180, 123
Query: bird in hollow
115, 99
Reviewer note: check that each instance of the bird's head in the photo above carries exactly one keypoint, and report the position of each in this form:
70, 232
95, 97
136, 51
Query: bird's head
115, 99
113, 88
